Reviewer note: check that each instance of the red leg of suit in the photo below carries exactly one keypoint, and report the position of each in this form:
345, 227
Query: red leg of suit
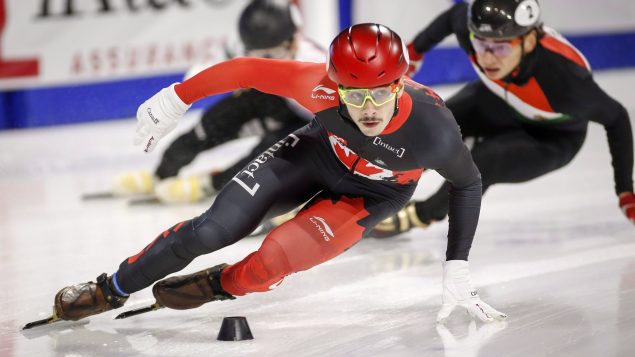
317, 234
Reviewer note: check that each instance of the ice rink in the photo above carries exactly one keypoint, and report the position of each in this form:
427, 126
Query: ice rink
555, 254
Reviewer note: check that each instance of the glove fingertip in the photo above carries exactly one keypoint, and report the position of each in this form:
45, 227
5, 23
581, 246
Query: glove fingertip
150, 142
485, 318
137, 140
444, 313
141, 133
149, 149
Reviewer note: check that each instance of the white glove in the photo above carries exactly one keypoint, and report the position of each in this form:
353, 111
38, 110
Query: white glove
458, 291
157, 116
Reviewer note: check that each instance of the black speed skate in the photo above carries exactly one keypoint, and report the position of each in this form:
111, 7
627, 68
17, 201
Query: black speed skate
186, 291
402, 222
76, 302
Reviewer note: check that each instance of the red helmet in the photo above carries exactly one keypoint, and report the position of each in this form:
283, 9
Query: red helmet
367, 55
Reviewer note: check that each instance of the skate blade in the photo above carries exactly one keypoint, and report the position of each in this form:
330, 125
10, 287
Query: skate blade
97, 196
42, 322
53, 327
146, 201
53, 319
143, 310
264, 228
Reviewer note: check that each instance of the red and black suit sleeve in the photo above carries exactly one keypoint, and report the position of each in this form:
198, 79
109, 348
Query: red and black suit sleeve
291, 79
439, 146
584, 100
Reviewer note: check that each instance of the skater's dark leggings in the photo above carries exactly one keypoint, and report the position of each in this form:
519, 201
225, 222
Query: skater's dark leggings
269, 138
299, 168
505, 149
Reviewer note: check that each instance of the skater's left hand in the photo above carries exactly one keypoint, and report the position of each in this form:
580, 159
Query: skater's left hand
627, 204
157, 116
457, 291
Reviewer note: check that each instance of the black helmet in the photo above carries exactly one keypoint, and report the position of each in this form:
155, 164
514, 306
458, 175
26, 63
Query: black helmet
266, 23
503, 18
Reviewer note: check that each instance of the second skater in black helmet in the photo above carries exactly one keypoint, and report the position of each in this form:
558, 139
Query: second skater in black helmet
266, 24
503, 19
529, 110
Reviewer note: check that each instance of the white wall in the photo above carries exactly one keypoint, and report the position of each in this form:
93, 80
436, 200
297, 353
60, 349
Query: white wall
321, 20
408, 17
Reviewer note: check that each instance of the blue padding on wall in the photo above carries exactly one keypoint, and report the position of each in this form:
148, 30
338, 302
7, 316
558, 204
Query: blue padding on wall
445, 65
607, 51
346, 16
84, 103
4, 118
120, 99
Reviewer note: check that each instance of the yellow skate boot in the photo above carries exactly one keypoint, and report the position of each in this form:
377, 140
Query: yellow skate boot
133, 183
184, 190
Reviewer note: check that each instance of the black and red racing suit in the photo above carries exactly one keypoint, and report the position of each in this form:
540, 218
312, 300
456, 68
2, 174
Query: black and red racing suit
351, 181
535, 120
243, 113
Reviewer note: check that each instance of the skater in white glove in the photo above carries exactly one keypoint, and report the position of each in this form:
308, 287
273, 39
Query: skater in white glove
158, 116
312, 166
457, 291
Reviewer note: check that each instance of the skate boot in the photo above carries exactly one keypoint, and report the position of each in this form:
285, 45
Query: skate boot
192, 290
185, 190
82, 300
402, 222
185, 292
133, 183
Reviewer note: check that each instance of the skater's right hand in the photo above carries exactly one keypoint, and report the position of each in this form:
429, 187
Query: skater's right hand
627, 204
416, 59
457, 291
157, 116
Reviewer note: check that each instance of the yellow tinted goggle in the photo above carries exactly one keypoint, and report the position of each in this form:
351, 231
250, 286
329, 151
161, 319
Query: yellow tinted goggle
357, 97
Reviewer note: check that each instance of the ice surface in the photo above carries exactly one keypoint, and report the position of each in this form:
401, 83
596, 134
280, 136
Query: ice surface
555, 253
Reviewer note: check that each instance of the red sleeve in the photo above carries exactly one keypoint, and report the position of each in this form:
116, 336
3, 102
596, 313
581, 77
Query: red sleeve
305, 82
